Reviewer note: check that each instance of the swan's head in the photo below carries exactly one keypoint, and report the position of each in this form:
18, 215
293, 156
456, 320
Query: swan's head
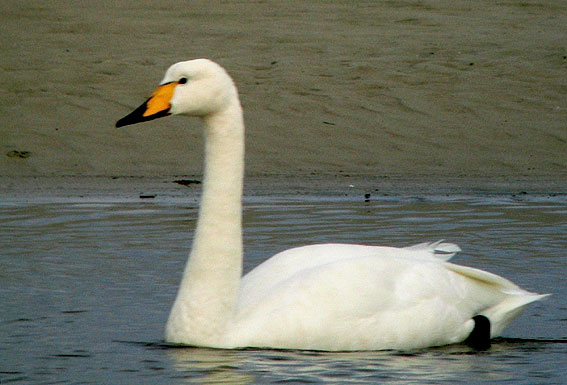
197, 88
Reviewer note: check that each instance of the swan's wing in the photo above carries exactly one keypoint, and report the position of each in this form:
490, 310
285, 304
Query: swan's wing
288, 263
358, 303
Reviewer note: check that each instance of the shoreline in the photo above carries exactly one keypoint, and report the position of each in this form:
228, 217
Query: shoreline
333, 186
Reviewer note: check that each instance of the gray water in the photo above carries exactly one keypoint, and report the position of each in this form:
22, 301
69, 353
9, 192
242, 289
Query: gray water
86, 287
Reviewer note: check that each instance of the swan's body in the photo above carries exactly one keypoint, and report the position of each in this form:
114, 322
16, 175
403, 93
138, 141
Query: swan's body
322, 297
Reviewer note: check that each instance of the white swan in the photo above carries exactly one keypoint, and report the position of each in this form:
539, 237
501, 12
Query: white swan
322, 297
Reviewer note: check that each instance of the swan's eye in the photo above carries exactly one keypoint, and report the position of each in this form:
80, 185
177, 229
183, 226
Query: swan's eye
182, 81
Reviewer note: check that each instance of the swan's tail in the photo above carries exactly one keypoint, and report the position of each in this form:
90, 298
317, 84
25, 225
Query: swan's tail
510, 299
502, 314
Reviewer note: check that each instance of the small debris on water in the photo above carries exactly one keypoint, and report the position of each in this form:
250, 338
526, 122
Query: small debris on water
187, 182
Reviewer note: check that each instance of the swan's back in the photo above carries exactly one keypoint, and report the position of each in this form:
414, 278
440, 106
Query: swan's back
300, 260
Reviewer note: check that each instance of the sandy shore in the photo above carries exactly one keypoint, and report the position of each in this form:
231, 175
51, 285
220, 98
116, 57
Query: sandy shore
410, 90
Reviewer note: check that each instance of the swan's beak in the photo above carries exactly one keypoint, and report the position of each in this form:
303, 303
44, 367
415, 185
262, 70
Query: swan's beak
155, 107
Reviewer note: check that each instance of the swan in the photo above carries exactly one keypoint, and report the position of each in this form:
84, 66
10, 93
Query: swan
330, 297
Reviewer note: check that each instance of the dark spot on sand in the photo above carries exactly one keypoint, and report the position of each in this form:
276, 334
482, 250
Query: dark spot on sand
18, 154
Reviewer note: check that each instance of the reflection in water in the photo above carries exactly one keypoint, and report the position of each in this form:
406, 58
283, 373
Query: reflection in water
207, 366
79, 279
445, 364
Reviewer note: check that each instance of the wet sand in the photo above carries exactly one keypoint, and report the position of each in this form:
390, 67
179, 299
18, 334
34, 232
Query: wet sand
413, 91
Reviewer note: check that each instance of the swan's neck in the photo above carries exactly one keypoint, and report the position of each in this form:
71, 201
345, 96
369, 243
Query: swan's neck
208, 292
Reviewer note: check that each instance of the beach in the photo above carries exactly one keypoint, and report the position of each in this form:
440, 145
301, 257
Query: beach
411, 91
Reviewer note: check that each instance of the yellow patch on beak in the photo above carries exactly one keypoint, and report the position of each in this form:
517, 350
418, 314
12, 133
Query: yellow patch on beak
157, 106
160, 99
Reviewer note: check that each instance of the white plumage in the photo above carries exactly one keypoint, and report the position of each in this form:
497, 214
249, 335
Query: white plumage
321, 297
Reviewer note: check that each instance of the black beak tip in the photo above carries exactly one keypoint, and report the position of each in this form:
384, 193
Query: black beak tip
122, 122
137, 116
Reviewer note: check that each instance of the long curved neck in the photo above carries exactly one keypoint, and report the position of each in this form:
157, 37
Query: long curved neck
208, 292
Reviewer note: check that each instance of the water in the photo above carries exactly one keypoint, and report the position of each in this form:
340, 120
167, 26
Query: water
86, 287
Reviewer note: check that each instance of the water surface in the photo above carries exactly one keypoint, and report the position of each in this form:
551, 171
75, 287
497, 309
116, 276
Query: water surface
86, 287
